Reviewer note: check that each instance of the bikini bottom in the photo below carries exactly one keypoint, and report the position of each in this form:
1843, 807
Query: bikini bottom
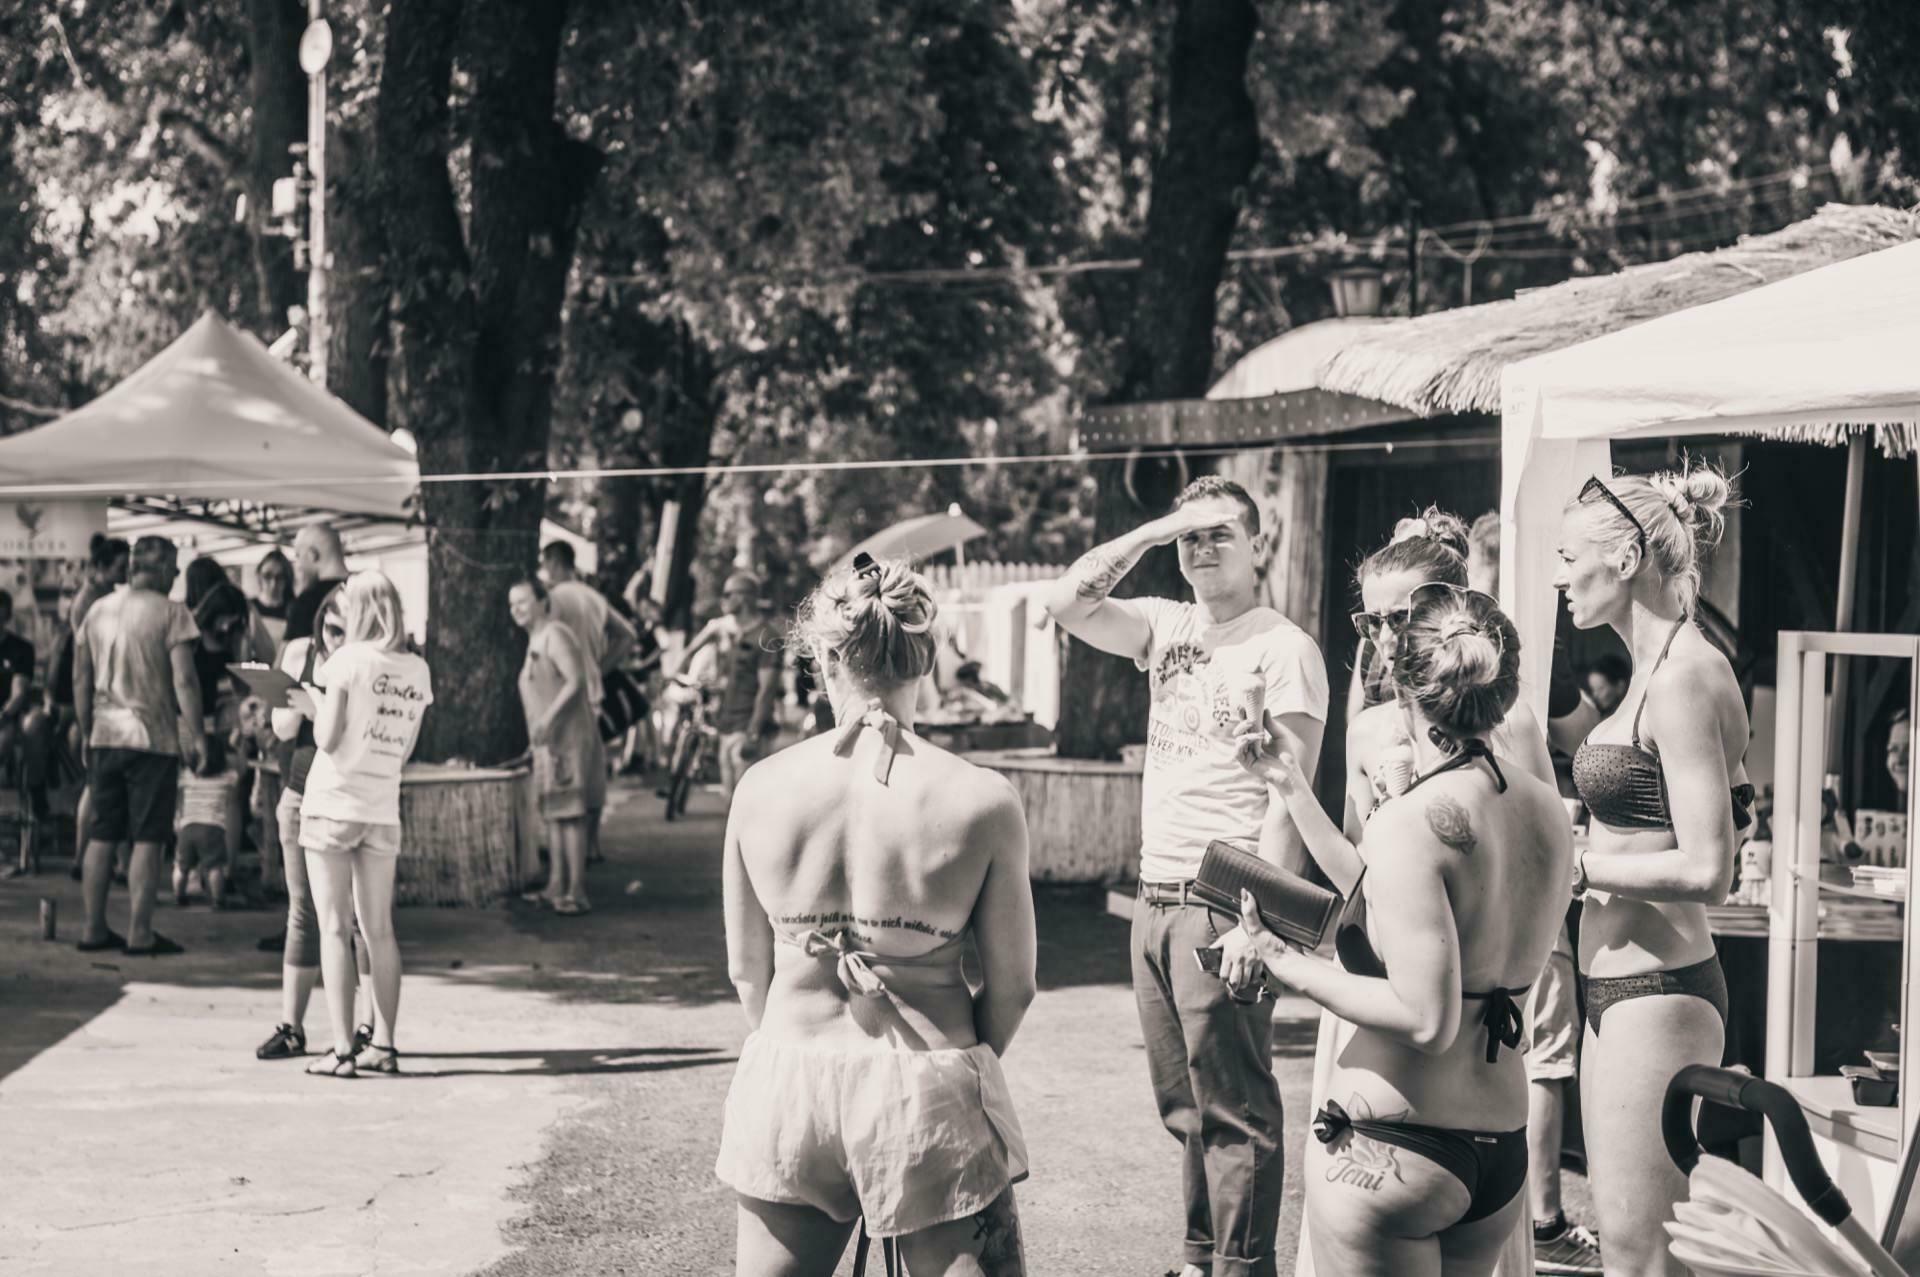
1491, 1164
1703, 980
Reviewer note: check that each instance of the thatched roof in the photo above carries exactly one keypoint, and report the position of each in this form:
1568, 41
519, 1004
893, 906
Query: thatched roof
1451, 361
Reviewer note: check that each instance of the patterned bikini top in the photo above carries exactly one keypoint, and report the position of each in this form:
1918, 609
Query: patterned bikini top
1623, 785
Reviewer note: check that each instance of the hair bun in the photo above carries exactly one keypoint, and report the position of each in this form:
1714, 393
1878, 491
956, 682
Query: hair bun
1435, 525
1697, 495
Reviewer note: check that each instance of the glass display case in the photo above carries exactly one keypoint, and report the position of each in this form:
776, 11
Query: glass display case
1862, 1138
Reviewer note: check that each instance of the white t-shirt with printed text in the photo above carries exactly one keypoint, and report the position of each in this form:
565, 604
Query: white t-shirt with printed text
1193, 792
387, 695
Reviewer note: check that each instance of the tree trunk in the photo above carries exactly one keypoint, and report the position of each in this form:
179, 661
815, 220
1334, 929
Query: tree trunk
278, 91
478, 320
357, 346
1199, 182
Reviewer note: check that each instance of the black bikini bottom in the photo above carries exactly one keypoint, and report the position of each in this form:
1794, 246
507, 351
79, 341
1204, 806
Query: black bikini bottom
1491, 1164
1702, 980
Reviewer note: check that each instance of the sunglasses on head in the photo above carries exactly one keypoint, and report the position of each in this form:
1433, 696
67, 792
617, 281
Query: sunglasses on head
1594, 487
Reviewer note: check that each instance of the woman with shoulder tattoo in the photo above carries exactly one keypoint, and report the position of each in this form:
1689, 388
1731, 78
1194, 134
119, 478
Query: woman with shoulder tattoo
1664, 778
856, 865
1455, 898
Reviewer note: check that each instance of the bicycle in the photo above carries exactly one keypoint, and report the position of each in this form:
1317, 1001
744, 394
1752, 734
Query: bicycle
694, 740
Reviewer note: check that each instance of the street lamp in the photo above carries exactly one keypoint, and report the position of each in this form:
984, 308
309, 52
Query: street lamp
316, 47
1356, 291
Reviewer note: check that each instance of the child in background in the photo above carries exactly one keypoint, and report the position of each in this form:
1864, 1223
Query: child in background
205, 836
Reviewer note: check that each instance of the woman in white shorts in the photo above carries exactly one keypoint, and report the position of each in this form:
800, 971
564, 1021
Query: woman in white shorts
857, 864
365, 724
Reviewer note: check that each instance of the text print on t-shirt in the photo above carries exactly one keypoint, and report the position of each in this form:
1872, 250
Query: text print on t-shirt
397, 704
1189, 702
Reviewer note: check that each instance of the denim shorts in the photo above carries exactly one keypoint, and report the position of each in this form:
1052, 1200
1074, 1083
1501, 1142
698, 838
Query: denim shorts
324, 835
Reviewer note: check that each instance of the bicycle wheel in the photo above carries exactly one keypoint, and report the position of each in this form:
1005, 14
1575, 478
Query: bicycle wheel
678, 778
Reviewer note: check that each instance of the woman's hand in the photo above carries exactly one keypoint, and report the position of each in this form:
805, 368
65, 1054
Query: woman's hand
1282, 770
300, 701
1250, 952
539, 731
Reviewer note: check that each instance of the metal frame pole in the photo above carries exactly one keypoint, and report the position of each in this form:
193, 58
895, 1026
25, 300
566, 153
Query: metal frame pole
317, 214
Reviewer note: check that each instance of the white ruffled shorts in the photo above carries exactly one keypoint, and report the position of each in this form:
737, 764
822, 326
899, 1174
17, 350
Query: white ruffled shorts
908, 1139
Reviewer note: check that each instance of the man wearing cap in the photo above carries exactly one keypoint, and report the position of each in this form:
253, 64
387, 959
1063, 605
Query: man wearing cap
1211, 665
749, 673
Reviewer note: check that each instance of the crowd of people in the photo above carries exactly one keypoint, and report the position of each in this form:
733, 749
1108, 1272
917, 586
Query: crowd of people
858, 863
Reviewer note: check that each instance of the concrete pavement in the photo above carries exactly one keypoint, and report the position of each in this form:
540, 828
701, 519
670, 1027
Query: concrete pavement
560, 1109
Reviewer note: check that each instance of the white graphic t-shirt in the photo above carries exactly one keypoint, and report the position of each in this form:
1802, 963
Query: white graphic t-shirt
1193, 790
387, 693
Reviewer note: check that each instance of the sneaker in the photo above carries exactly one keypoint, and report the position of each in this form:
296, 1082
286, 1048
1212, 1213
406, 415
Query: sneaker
1575, 1250
285, 1043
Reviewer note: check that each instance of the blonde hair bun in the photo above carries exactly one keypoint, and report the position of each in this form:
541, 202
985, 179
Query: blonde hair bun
1697, 494
876, 618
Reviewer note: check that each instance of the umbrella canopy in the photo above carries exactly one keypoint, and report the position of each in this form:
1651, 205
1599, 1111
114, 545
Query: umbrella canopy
214, 417
921, 537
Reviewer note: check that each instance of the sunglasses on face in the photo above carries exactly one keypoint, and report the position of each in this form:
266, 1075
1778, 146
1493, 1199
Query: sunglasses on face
1593, 487
1369, 624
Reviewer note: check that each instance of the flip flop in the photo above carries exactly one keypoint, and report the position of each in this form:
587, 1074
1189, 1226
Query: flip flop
114, 940
539, 898
160, 948
572, 908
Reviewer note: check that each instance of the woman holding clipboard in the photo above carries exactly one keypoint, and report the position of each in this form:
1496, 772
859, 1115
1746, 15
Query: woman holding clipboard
300, 959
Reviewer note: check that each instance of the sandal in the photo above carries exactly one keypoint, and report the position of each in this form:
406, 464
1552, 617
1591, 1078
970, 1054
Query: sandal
114, 940
386, 1061
332, 1064
572, 907
285, 1043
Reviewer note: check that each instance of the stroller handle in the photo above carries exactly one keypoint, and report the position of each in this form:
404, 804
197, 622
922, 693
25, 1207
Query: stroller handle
1756, 1095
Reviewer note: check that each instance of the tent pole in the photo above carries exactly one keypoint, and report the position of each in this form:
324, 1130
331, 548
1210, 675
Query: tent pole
1849, 572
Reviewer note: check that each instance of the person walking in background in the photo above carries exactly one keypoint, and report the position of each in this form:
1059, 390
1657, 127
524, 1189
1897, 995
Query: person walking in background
138, 701
1419, 1161
569, 766
319, 564
1665, 780
365, 725
856, 865
106, 572
273, 593
606, 639
1209, 663
749, 652
300, 956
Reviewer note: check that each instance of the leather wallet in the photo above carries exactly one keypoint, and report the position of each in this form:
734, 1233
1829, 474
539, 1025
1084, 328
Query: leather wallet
1291, 906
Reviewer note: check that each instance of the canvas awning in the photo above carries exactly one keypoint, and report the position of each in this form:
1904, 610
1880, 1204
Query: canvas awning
1824, 355
1452, 361
214, 418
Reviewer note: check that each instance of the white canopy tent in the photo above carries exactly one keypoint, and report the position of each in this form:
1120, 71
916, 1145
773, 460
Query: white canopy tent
225, 450
214, 417
1819, 356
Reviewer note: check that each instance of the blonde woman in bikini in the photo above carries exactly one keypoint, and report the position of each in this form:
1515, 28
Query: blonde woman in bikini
857, 865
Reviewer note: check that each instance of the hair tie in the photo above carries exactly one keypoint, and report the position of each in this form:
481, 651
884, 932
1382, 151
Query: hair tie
864, 565
1456, 625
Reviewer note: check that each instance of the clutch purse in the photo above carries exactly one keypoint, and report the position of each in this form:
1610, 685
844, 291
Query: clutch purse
1290, 906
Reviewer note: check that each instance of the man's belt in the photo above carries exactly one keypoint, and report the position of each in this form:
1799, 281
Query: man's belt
1169, 893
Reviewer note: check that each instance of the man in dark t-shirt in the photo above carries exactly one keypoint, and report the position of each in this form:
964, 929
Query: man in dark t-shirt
319, 564
16, 679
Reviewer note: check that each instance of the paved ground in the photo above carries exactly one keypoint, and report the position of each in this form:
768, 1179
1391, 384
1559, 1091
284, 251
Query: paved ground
560, 1110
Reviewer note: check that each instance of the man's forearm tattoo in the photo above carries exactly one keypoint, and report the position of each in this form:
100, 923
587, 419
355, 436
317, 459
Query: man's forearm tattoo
1449, 822
1098, 571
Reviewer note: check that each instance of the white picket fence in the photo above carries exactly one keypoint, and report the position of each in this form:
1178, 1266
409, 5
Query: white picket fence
989, 611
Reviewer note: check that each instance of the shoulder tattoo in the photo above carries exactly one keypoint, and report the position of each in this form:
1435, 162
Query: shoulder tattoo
1099, 573
1448, 820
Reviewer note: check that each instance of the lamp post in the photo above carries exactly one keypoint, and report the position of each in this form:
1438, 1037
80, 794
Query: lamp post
316, 47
